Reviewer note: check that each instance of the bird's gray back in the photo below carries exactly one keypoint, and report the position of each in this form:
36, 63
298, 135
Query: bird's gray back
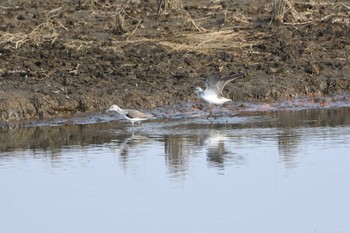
136, 114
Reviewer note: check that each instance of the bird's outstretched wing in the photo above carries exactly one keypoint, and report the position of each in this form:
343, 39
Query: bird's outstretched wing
211, 82
217, 84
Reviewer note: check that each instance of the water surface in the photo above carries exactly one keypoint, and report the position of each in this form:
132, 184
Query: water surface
284, 171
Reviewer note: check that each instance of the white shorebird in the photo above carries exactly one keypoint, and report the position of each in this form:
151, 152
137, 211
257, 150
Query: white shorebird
131, 115
213, 91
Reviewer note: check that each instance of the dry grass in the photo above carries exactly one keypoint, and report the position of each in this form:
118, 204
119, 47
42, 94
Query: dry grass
200, 39
204, 42
283, 10
120, 23
44, 32
164, 6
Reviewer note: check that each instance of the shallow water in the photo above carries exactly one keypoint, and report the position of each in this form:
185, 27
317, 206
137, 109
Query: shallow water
285, 171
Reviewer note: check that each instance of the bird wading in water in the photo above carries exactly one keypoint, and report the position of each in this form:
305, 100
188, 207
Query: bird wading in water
213, 89
131, 115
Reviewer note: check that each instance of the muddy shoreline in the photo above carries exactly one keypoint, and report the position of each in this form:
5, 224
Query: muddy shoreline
189, 111
63, 58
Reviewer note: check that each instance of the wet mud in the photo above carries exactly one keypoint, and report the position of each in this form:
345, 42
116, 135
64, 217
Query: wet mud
67, 58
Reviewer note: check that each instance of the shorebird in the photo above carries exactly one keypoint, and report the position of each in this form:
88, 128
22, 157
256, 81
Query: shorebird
131, 115
213, 91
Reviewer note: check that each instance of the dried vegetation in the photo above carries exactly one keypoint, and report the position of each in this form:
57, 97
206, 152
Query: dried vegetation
197, 36
68, 57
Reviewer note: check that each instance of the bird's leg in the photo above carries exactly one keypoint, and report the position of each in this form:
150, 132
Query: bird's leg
211, 111
141, 125
209, 114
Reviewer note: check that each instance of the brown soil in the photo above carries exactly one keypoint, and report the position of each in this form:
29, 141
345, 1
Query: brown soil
60, 58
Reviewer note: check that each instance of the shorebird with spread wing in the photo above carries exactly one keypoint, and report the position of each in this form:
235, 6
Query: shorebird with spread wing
213, 91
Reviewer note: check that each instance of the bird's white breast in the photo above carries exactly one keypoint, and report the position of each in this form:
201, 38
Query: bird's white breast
212, 98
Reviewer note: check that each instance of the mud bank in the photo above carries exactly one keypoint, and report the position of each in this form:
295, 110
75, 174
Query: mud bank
61, 58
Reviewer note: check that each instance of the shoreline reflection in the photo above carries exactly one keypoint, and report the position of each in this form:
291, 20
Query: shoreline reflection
179, 142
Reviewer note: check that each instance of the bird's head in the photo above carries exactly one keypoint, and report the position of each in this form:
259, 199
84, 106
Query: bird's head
114, 108
198, 91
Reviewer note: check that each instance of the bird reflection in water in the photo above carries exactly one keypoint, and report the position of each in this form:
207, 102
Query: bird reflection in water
179, 150
216, 150
217, 155
128, 142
